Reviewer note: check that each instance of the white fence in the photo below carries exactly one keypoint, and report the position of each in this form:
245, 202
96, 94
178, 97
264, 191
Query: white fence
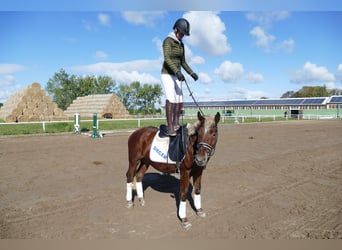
236, 119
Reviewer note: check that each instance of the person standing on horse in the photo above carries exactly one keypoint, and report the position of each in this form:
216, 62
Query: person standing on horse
171, 75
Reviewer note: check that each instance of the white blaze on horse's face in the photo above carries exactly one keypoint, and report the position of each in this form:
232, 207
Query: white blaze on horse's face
206, 140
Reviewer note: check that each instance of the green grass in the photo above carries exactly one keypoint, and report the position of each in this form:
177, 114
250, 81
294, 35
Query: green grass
107, 125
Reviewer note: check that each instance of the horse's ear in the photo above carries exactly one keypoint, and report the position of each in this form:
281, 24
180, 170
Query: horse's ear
217, 117
200, 117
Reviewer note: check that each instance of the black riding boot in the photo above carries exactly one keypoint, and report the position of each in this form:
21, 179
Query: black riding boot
169, 108
176, 115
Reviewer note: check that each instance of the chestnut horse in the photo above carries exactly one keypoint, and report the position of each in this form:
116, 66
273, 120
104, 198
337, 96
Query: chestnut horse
201, 144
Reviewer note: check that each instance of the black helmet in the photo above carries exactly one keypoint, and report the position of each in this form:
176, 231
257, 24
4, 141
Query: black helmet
183, 26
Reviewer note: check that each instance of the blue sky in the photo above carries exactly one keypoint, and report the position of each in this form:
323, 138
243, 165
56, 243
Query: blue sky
237, 54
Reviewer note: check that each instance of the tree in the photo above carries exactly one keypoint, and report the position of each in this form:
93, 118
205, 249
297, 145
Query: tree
308, 91
148, 96
65, 88
140, 99
62, 88
288, 94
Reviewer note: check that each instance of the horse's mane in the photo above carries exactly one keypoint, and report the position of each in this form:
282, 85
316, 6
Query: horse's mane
192, 128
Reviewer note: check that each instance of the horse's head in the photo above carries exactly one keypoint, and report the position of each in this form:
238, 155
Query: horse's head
207, 133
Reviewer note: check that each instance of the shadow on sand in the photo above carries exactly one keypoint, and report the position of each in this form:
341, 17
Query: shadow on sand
166, 183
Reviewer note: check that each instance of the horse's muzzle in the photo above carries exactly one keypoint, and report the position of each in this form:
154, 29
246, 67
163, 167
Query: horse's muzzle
201, 161
204, 151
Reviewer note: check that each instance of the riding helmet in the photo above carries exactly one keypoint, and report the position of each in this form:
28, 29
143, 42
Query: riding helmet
183, 26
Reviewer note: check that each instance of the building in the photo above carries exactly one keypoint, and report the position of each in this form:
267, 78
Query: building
329, 106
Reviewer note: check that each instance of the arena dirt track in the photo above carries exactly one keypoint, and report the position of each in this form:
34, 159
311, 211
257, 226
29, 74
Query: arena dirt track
266, 180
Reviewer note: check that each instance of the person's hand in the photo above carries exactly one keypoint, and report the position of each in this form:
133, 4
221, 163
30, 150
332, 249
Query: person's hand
194, 76
180, 76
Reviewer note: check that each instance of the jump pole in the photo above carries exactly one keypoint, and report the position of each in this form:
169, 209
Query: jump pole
77, 123
95, 128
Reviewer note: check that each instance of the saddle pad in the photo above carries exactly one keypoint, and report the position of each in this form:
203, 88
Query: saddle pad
159, 150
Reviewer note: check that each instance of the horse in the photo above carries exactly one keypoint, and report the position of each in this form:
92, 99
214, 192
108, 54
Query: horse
202, 139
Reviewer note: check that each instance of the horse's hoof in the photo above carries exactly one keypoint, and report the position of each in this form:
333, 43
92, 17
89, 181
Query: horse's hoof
201, 213
185, 224
129, 204
142, 201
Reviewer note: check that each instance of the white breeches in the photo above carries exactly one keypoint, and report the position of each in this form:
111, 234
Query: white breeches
172, 88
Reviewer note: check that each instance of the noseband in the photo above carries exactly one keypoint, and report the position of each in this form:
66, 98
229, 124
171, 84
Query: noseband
210, 149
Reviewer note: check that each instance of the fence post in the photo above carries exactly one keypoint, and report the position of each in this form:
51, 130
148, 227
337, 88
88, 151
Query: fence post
77, 123
95, 127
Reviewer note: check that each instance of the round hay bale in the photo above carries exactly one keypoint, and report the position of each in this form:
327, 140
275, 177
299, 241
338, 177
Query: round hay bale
10, 118
23, 118
33, 118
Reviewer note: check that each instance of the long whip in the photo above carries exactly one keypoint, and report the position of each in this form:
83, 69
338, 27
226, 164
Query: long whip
193, 98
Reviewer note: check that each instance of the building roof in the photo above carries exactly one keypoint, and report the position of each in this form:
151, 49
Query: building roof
270, 102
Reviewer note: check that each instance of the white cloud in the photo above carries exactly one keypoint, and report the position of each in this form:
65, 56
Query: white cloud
147, 18
207, 32
8, 83
242, 93
6, 80
89, 26
267, 18
263, 40
100, 55
192, 59
286, 45
204, 77
339, 73
125, 72
254, 77
6, 69
311, 73
104, 19
230, 72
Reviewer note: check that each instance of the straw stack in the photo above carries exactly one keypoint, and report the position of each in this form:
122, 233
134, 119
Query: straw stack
106, 105
31, 104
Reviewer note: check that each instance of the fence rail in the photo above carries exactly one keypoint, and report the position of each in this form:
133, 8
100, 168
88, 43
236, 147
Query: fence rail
138, 122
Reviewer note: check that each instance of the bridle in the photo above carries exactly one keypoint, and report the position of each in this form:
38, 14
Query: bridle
210, 149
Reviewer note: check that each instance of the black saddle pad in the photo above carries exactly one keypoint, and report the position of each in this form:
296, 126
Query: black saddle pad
177, 144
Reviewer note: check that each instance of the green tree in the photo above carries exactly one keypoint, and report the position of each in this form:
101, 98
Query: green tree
62, 87
148, 96
288, 94
314, 91
139, 98
309, 91
65, 88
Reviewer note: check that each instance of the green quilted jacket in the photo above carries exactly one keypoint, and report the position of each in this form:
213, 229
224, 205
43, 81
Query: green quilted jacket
174, 56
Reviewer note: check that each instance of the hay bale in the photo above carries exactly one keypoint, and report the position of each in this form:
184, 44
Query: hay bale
102, 105
30, 104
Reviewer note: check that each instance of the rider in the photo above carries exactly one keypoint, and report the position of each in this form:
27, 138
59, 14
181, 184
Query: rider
174, 59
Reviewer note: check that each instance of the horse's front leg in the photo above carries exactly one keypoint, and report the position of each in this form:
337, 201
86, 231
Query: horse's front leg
184, 185
197, 177
129, 182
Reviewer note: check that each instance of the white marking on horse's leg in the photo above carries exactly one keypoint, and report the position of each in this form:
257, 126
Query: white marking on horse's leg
182, 210
140, 193
198, 206
139, 187
197, 201
129, 195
